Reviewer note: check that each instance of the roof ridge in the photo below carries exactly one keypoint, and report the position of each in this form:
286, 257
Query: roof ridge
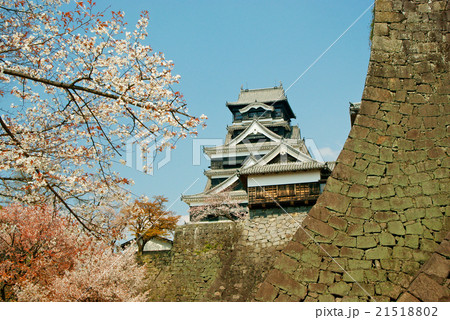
268, 88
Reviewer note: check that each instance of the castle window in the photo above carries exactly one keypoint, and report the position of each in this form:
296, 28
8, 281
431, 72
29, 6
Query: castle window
278, 113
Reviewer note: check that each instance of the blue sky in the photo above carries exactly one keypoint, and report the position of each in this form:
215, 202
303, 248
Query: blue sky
217, 46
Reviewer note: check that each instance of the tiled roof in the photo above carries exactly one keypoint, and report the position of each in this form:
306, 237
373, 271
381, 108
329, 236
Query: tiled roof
260, 95
331, 165
235, 195
283, 167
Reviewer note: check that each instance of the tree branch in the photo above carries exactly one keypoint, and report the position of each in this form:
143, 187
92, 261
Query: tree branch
65, 204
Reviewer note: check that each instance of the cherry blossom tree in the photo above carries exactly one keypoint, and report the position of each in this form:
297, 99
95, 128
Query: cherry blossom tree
148, 219
219, 205
45, 257
99, 275
75, 86
36, 244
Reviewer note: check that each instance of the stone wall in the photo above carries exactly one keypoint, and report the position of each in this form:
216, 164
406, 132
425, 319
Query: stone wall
219, 261
377, 231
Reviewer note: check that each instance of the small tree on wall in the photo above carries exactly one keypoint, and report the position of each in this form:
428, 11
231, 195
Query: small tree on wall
219, 205
148, 219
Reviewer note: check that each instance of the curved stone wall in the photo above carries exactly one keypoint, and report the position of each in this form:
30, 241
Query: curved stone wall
219, 261
377, 232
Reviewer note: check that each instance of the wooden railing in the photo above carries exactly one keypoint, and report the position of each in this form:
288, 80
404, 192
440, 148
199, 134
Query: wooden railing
301, 192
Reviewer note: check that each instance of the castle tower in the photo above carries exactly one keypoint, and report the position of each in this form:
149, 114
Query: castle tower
264, 162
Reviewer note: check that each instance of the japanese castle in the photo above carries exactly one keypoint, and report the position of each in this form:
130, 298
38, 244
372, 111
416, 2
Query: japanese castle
264, 162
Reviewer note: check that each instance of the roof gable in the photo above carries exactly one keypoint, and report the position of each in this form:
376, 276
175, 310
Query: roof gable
254, 128
256, 105
284, 149
223, 185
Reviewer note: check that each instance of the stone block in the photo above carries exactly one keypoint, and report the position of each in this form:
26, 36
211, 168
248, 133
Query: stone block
396, 228
337, 223
286, 264
375, 169
414, 214
335, 201
317, 287
349, 299
359, 264
378, 253
419, 178
355, 230
375, 275
310, 299
358, 132
348, 174
353, 276
386, 155
301, 236
285, 298
412, 241
423, 201
320, 213
421, 256
389, 17
437, 266
365, 242
374, 193
361, 213
326, 298
319, 227
400, 278
372, 227
339, 288
384, 6
294, 250
266, 292
390, 290
430, 187
309, 257
402, 253
399, 204
386, 239
433, 224
326, 277
285, 282
407, 297
443, 249
410, 267
343, 240
307, 274
346, 252
395, 131
328, 250
338, 265
440, 199
391, 264
428, 245
357, 191
436, 153
426, 289
379, 94
380, 205
415, 228
386, 216
362, 289
347, 157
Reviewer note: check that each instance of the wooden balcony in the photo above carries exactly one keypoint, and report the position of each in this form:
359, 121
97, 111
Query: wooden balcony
292, 194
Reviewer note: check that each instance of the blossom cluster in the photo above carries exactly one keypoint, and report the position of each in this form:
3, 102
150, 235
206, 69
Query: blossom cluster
78, 85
